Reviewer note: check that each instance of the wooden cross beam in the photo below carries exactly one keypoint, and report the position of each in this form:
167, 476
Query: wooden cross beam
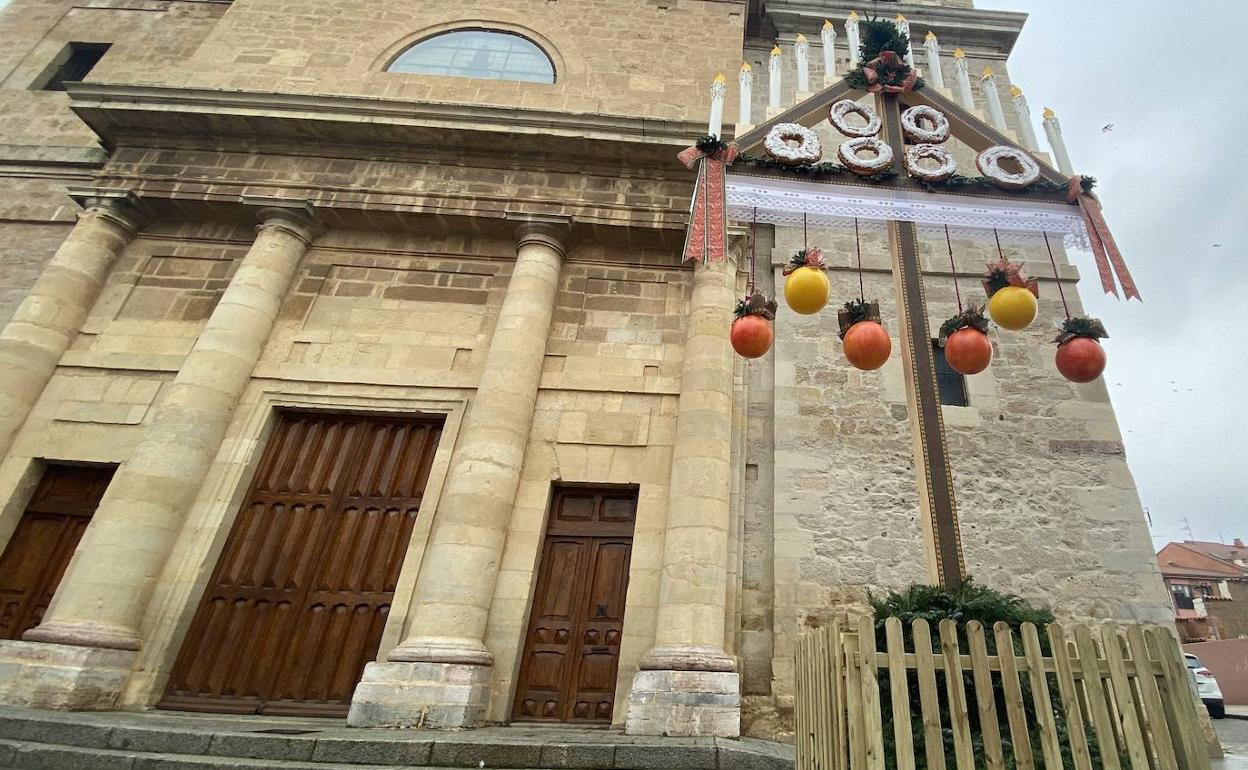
940, 519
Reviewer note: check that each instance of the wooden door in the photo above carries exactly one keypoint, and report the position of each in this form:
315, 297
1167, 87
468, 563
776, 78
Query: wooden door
301, 592
572, 649
39, 551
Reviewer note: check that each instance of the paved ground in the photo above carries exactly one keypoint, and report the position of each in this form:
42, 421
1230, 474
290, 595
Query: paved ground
1237, 712
1234, 736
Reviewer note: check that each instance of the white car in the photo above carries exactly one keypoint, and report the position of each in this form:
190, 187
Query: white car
1206, 686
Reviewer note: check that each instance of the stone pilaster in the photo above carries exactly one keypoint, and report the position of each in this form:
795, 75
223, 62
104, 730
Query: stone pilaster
103, 596
440, 678
46, 322
687, 684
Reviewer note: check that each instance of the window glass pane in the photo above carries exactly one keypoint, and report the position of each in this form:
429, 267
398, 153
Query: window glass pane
478, 53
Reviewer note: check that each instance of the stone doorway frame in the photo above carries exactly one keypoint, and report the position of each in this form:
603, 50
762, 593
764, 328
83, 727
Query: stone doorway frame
212, 516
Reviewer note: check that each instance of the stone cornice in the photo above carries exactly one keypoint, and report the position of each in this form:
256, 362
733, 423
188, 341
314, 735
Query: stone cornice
137, 115
979, 30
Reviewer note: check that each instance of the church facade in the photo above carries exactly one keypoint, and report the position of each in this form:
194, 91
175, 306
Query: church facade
349, 368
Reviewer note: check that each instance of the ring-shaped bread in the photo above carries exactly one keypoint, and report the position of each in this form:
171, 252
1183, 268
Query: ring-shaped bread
946, 166
809, 150
989, 164
848, 153
912, 125
839, 113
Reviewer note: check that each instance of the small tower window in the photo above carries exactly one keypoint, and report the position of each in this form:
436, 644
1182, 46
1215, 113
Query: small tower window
949, 382
478, 53
71, 65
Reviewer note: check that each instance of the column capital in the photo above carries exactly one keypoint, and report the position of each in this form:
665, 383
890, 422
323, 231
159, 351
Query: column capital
294, 217
553, 232
121, 207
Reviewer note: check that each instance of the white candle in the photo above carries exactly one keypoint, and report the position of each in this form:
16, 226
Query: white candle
800, 50
903, 27
988, 87
932, 46
828, 35
855, 42
965, 97
773, 68
1053, 130
746, 79
1026, 131
718, 89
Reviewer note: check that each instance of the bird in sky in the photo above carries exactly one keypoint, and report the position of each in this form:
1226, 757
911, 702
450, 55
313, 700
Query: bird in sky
1105, 129
1217, 245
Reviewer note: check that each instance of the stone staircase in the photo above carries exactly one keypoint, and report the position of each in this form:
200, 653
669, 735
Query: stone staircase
43, 740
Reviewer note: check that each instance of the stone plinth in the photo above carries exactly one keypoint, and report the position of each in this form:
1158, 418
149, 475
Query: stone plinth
685, 703
431, 695
62, 676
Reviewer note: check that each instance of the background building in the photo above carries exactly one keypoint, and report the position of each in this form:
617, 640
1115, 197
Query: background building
349, 366
1208, 584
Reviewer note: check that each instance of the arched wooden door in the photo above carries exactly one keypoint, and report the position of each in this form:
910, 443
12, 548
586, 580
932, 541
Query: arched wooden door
301, 592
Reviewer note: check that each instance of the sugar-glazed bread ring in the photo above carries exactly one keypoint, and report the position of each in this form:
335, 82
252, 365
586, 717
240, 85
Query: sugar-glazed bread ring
839, 113
912, 124
849, 155
777, 144
989, 164
946, 166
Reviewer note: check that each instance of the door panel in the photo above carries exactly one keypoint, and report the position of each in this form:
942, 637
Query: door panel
39, 551
301, 593
572, 649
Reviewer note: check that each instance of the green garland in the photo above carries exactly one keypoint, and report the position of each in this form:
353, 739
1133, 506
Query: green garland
972, 317
756, 304
879, 35
1081, 326
816, 170
710, 143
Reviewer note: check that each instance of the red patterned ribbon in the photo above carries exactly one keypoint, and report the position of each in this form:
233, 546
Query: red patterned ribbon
707, 236
1109, 262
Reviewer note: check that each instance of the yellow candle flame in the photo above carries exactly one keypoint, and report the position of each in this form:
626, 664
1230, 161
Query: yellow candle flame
930, 35
853, 16
745, 67
958, 53
901, 18
987, 73
719, 78
776, 51
827, 24
1016, 91
1049, 113
800, 38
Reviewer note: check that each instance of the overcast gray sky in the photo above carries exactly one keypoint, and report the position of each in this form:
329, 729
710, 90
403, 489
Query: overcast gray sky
1174, 182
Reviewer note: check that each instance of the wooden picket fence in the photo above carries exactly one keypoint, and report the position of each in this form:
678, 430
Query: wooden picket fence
1113, 696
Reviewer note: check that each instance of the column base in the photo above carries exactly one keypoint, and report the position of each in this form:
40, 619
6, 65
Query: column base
62, 677
436, 696
685, 704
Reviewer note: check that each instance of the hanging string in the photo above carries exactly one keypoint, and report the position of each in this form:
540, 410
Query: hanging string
954, 268
862, 292
805, 240
753, 249
1056, 277
998, 237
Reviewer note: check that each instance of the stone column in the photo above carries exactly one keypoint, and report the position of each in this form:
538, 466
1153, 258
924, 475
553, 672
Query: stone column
102, 598
687, 684
46, 322
439, 678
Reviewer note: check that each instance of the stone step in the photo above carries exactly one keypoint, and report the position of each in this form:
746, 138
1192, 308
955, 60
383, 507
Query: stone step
122, 739
26, 755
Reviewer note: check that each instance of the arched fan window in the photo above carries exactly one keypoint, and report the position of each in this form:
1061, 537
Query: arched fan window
478, 53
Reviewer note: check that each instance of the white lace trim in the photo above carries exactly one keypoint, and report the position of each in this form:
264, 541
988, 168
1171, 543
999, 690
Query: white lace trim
784, 202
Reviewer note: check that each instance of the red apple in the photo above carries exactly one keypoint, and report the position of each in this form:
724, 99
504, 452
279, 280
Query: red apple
751, 336
867, 345
1080, 359
968, 350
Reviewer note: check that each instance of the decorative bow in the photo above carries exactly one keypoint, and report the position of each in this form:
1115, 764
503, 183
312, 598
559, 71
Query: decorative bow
855, 311
707, 236
812, 257
1003, 273
1081, 326
756, 304
972, 317
1109, 262
889, 73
